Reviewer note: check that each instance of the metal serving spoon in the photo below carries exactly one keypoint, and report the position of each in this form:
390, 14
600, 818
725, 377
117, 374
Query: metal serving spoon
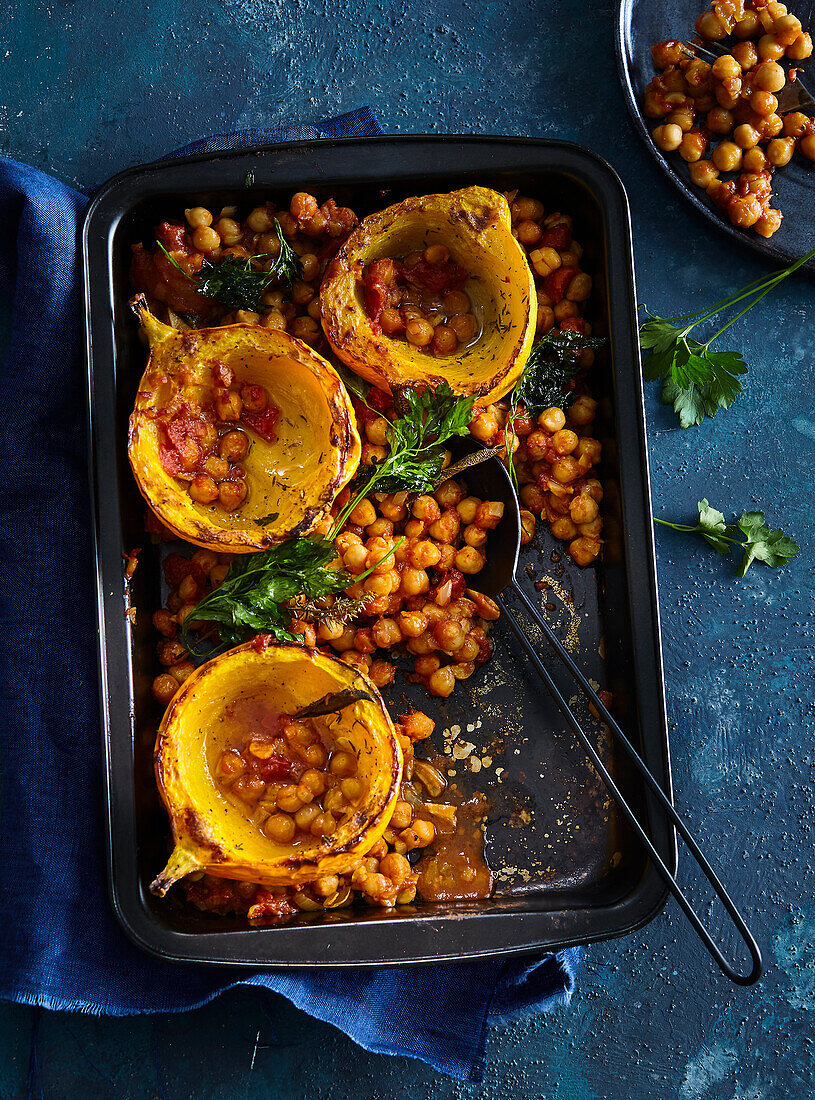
491, 481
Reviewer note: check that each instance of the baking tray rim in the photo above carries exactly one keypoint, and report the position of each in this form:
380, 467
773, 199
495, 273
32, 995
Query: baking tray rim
649, 894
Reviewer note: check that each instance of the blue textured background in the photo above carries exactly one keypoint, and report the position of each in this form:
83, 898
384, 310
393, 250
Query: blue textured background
87, 88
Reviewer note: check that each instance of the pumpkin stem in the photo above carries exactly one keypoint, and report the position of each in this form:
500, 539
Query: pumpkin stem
180, 863
155, 330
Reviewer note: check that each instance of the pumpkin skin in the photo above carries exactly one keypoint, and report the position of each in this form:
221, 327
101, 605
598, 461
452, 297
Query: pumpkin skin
210, 833
317, 450
475, 225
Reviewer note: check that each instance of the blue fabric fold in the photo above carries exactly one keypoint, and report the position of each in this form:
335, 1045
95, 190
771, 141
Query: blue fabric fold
62, 948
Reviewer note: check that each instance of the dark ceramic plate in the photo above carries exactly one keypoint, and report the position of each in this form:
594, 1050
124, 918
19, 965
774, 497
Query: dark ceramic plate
640, 23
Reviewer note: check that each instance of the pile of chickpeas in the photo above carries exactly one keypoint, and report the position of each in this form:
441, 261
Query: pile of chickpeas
386, 876
294, 787
208, 444
437, 321
420, 603
314, 231
734, 102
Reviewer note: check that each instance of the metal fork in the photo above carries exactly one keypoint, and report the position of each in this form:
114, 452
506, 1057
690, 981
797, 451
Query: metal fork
792, 97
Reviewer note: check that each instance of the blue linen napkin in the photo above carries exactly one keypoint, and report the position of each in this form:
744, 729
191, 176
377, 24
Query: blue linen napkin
62, 948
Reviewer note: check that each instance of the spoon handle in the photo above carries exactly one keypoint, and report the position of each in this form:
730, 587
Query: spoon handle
628, 813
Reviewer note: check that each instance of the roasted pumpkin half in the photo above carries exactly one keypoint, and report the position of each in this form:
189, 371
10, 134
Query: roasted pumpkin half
474, 227
241, 436
208, 717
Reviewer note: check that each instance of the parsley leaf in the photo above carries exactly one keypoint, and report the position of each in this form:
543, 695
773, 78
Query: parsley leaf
774, 548
256, 593
759, 543
425, 420
697, 381
551, 365
236, 282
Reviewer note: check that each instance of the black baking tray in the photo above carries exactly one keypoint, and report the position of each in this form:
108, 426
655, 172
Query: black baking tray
567, 870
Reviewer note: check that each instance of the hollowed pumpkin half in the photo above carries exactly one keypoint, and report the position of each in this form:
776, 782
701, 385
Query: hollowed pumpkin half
210, 832
292, 481
475, 226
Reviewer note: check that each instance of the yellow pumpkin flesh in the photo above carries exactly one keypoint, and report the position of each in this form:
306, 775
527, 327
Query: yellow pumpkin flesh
292, 481
213, 834
474, 224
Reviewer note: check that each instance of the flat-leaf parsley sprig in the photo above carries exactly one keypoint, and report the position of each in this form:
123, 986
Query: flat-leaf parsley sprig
236, 282
751, 532
696, 380
424, 421
257, 593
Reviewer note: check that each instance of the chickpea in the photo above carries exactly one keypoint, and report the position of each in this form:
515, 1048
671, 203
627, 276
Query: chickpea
203, 489
720, 120
795, 124
484, 427
579, 289
421, 833
564, 441
801, 48
414, 582
769, 48
198, 215
744, 211
436, 254
727, 94
725, 67
582, 411
748, 26
464, 326
526, 209
703, 172
488, 514
746, 55
583, 509
468, 560
260, 220
445, 340
709, 26
807, 146
763, 103
780, 150
419, 332
668, 137
528, 233
273, 319
552, 420
324, 824
164, 688
280, 828
584, 549
412, 624
565, 469
448, 494
382, 673
205, 239
754, 160
231, 494
727, 156
693, 146
768, 223
769, 77
746, 136
441, 682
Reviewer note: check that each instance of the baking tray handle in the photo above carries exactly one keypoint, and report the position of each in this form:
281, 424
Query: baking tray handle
628, 813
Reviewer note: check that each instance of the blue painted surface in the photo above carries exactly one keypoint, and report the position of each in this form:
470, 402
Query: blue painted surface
89, 88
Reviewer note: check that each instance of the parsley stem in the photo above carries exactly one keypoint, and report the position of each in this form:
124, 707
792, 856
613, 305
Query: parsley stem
393, 549
676, 526
763, 285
